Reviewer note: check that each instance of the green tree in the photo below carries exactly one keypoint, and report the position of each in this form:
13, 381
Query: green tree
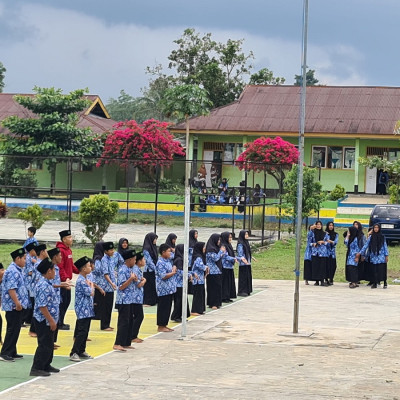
311, 80
2, 76
122, 108
313, 195
265, 77
54, 132
96, 213
33, 215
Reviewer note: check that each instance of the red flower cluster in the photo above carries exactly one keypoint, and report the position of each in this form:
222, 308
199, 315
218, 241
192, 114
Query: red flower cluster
265, 153
141, 145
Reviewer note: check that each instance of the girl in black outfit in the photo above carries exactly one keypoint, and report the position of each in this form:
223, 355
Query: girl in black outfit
243, 251
151, 256
192, 241
228, 274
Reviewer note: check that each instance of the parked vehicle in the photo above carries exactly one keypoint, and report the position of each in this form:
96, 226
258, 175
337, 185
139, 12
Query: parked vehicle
388, 216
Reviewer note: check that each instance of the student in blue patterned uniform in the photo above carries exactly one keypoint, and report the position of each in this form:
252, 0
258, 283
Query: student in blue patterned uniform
46, 313
214, 279
166, 287
31, 237
84, 292
151, 257
96, 274
123, 245
193, 235
200, 271
107, 281
307, 274
14, 300
124, 301
137, 306
176, 315
354, 245
332, 241
228, 274
29, 275
319, 251
378, 253
1, 319
243, 251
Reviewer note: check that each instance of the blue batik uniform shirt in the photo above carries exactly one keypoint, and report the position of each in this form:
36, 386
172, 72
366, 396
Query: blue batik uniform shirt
150, 266
241, 253
108, 266
354, 250
332, 246
46, 296
57, 281
307, 252
29, 269
198, 268
13, 278
320, 250
211, 259
125, 296
228, 261
137, 291
164, 286
379, 258
83, 299
29, 241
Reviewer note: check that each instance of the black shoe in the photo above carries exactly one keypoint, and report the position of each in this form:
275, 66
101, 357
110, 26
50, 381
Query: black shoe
242, 294
53, 369
385, 286
7, 358
225, 301
18, 356
39, 372
316, 283
177, 320
373, 286
64, 327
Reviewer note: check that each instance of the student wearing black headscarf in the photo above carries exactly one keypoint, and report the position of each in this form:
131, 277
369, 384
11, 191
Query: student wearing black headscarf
176, 315
378, 254
151, 257
171, 241
214, 279
332, 241
98, 300
200, 271
243, 251
319, 251
228, 274
193, 234
354, 245
123, 245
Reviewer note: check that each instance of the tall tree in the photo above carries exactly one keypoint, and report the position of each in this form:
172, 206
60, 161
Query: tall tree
265, 77
2, 76
53, 132
311, 80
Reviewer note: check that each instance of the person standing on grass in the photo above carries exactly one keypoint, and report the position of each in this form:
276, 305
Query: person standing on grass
46, 316
200, 271
151, 257
214, 255
228, 274
137, 306
243, 250
124, 301
166, 287
84, 293
14, 300
67, 268
319, 251
378, 253
332, 241
354, 245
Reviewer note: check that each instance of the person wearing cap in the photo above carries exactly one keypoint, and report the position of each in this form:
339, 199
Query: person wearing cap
124, 301
84, 292
41, 254
45, 315
107, 281
137, 306
14, 301
28, 273
67, 267
1, 319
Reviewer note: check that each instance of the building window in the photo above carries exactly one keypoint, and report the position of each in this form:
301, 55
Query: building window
349, 157
318, 156
333, 157
78, 166
36, 165
232, 151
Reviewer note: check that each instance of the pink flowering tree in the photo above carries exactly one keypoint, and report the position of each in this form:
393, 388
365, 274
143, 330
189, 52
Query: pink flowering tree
273, 155
142, 145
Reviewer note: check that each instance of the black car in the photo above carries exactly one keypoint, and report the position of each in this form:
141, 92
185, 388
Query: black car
388, 216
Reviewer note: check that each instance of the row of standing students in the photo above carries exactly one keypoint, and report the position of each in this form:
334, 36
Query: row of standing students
366, 257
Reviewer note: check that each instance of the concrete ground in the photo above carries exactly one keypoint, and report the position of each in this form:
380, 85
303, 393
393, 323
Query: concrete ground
348, 348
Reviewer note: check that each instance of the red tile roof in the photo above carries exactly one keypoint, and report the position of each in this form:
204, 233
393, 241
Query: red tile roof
329, 109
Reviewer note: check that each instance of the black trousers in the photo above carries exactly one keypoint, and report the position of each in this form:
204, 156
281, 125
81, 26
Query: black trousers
199, 299
149, 289
178, 298
14, 321
65, 302
1, 329
32, 328
245, 281
214, 290
164, 309
81, 333
228, 284
106, 305
138, 316
125, 323
44, 352
28, 315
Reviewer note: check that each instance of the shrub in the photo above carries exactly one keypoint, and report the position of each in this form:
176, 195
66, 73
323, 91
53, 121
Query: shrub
33, 215
394, 194
96, 213
337, 193
3, 210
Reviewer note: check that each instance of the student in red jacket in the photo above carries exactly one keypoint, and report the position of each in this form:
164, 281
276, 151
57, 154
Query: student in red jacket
66, 267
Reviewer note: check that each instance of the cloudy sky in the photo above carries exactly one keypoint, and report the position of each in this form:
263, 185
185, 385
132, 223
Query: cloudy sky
106, 45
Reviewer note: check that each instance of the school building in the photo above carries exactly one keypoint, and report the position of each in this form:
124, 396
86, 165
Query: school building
343, 123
